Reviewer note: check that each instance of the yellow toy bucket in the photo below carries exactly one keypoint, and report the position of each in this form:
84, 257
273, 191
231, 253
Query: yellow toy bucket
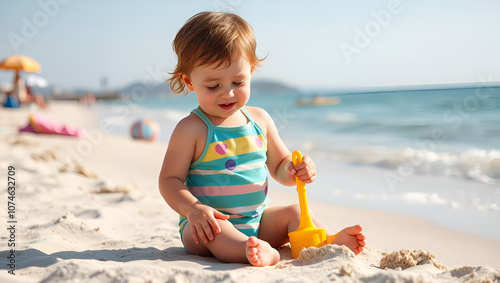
307, 235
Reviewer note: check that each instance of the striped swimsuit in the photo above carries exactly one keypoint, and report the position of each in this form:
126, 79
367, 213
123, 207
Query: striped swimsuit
231, 174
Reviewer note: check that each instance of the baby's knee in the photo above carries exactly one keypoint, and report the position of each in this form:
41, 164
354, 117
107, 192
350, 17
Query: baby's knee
294, 211
225, 225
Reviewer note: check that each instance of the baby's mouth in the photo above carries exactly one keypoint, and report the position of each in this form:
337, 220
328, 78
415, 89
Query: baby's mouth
227, 106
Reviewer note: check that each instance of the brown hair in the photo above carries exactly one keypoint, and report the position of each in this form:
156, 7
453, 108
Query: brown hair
208, 38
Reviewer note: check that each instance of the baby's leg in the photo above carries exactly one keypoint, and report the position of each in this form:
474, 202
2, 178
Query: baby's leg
277, 222
232, 246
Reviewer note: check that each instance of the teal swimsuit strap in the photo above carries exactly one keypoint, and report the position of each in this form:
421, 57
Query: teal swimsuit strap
245, 112
203, 117
210, 134
259, 129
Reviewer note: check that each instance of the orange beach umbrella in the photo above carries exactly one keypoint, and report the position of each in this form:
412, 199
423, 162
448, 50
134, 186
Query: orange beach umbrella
21, 62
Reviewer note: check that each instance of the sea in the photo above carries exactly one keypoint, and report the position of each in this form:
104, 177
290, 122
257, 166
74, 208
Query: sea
427, 152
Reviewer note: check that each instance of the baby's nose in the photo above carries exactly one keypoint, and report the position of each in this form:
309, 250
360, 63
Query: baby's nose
226, 93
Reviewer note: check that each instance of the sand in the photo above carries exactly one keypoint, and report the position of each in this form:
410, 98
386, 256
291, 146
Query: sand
88, 210
405, 259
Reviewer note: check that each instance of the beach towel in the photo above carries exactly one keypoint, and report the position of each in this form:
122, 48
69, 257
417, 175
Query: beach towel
43, 125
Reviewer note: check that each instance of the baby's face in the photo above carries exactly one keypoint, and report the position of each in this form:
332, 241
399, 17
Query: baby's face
222, 91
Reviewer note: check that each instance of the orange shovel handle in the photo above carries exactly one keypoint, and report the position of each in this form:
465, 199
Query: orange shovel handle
301, 187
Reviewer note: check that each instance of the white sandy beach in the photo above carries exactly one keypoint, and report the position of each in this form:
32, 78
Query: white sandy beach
88, 210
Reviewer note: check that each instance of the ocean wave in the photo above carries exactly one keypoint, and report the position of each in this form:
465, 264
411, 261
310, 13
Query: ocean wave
477, 164
426, 198
472, 164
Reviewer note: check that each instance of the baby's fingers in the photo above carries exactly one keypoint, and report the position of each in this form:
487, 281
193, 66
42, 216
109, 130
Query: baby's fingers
198, 233
306, 170
194, 234
215, 225
306, 164
308, 179
207, 231
306, 176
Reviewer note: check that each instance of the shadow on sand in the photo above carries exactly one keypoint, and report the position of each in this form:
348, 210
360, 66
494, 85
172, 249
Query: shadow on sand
36, 258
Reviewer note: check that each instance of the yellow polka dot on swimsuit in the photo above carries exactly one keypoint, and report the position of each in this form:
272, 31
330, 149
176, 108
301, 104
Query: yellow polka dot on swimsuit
231, 174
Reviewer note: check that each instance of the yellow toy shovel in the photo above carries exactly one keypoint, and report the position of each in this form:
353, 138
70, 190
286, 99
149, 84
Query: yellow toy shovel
307, 235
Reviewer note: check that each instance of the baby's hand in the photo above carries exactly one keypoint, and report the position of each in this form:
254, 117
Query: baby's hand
304, 171
202, 219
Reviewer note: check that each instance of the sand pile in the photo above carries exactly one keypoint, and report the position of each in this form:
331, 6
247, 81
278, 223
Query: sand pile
313, 254
406, 258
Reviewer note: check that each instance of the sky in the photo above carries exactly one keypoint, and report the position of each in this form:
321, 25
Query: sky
309, 44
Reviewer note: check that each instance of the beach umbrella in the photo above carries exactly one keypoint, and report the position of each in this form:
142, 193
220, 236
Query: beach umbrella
20, 63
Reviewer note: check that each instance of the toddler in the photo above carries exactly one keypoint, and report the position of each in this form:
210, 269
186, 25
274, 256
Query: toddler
215, 170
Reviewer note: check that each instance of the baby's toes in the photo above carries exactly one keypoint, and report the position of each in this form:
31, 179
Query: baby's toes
361, 236
360, 249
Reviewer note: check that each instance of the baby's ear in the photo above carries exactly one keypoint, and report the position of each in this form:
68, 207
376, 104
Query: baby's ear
187, 82
252, 69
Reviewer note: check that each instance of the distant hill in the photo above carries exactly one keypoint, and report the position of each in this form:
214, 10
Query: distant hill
261, 86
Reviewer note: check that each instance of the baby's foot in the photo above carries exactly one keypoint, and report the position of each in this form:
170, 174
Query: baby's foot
260, 253
350, 237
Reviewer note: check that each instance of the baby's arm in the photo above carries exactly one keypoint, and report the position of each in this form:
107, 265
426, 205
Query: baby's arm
279, 158
178, 157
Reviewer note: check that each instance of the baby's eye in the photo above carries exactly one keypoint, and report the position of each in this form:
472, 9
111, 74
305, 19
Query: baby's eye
212, 87
238, 83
